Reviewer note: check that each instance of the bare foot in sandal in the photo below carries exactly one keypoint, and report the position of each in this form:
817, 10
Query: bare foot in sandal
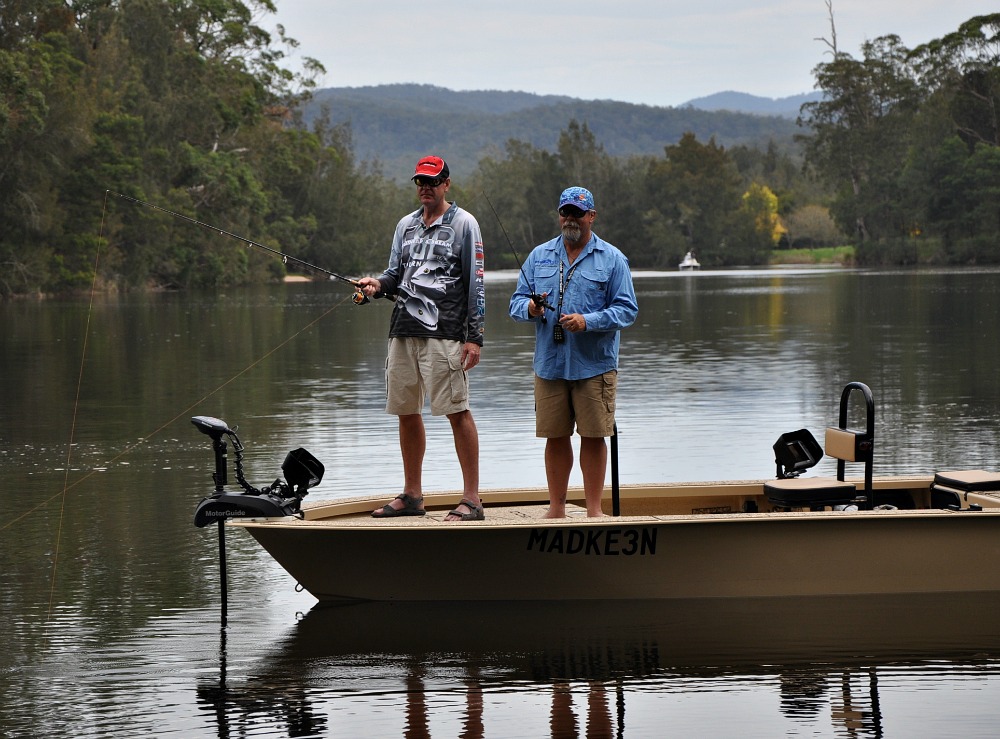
409, 506
473, 511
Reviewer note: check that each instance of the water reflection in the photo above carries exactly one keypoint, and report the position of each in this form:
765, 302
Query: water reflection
602, 665
112, 600
282, 707
716, 361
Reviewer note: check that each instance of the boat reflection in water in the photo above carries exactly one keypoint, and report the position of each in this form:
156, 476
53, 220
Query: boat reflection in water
407, 658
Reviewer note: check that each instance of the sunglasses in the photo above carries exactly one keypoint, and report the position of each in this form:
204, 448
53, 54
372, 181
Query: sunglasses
428, 181
568, 211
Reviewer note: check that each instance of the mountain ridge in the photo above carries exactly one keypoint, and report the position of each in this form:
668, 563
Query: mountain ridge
393, 125
742, 102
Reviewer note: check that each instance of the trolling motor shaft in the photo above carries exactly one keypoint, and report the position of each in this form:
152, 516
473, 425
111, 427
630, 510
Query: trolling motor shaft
281, 498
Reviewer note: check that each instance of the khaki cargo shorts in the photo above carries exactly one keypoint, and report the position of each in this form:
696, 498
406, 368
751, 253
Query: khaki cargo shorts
419, 368
589, 404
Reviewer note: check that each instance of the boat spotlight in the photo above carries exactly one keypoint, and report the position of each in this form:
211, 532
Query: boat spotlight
281, 498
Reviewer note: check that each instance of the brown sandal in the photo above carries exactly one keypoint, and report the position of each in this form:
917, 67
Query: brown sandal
476, 514
410, 508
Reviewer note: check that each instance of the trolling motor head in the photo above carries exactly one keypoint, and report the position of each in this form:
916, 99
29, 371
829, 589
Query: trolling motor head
281, 498
216, 428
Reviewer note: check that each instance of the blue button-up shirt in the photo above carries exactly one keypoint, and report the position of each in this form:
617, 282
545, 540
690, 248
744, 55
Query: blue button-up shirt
599, 288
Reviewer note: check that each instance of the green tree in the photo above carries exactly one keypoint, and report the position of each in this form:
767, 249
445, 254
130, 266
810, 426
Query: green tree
171, 102
43, 125
949, 178
861, 136
811, 226
961, 73
523, 186
696, 197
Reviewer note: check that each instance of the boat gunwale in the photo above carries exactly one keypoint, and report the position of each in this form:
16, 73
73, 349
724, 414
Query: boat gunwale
343, 513
433, 525
507, 496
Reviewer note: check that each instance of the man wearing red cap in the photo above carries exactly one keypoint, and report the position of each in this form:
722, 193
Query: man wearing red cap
435, 274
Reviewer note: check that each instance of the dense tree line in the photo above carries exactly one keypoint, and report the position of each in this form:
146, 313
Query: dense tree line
909, 139
182, 104
655, 208
185, 106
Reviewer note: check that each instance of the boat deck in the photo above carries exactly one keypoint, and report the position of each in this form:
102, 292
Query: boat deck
496, 514
680, 501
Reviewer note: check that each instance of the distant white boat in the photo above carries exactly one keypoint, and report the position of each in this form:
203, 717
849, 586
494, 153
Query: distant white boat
689, 263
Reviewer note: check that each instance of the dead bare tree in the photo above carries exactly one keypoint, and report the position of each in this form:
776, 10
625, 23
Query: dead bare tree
832, 41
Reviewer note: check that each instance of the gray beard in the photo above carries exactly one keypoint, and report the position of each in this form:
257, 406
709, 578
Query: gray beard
572, 233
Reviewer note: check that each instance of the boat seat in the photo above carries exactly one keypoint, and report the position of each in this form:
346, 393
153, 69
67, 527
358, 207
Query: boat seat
949, 489
797, 451
818, 492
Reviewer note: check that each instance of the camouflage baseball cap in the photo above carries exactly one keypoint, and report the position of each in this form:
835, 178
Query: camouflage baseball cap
578, 197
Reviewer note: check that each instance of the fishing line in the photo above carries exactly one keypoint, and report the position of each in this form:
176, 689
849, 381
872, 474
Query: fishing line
359, 297
538, 299
72, 425
67, 486
182, 414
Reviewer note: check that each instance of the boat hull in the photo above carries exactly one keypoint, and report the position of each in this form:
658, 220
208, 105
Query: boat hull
512, 556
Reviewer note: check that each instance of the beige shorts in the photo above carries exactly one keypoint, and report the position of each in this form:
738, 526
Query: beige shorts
590, 404
417, 368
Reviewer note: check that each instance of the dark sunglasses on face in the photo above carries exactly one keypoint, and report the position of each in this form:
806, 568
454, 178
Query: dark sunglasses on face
428, 181
568, 211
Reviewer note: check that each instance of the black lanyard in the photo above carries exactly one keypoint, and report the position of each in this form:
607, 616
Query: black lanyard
562, 286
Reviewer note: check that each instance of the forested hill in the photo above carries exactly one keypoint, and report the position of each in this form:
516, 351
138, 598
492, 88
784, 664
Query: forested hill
787, 107
397, 123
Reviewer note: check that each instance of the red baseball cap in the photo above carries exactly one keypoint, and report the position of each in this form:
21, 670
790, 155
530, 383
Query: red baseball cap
431, 167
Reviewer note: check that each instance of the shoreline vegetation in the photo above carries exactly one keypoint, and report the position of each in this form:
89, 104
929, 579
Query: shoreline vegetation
835, 256
899, 159
832, 255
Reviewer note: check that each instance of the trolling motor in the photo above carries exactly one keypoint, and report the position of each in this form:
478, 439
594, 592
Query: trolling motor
281, 498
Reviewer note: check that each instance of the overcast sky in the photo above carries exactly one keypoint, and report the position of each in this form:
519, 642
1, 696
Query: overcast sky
655, 52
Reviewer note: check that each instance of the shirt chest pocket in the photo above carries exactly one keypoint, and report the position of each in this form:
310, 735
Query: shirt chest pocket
593, 285
547, 279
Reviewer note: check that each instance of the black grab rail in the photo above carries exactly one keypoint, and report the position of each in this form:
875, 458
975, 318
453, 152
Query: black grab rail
865, 443
616, 505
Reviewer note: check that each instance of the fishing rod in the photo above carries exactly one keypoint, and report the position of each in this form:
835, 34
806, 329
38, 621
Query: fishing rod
538, 299
359, 297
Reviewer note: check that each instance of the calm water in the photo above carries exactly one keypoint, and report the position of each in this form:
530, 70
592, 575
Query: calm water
110, 596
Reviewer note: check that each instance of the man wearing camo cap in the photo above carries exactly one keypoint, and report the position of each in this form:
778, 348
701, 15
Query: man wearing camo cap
577, 290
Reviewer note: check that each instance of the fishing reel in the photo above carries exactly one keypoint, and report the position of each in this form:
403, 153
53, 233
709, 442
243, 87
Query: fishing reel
543, 302
360, 298
281, 498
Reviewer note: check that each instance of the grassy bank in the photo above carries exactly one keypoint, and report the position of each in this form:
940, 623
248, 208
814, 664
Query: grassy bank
823, 255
